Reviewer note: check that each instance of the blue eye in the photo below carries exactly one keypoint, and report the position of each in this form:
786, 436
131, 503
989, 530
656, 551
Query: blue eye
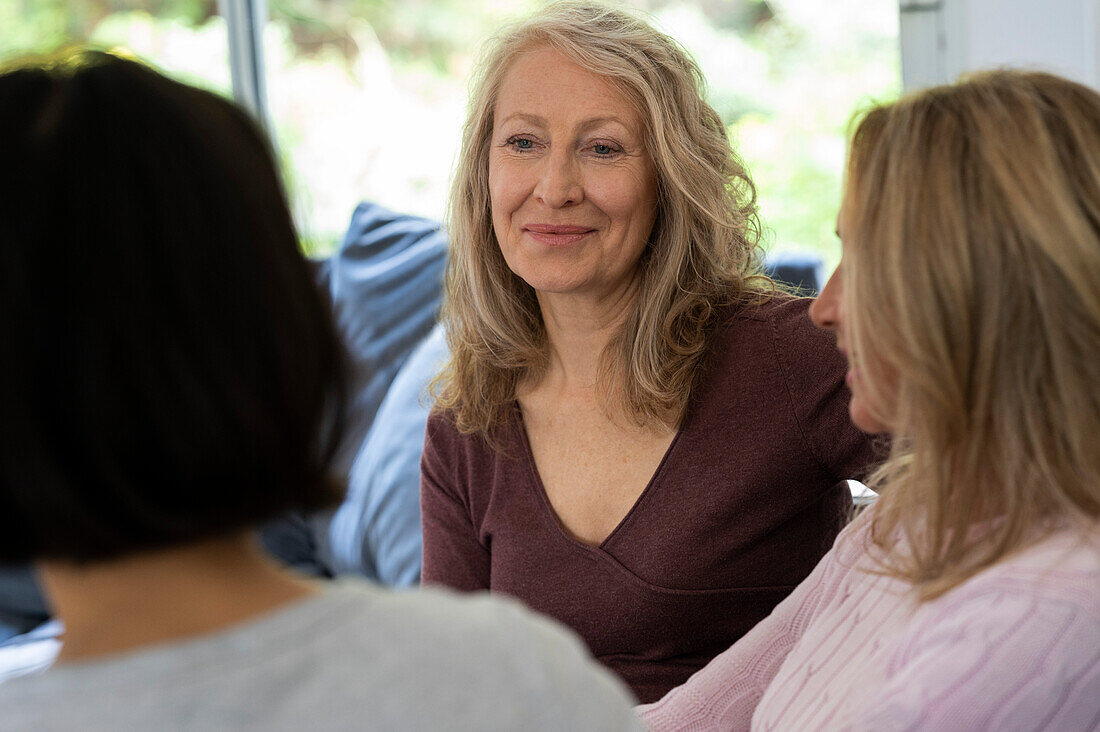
520, 143
602, 149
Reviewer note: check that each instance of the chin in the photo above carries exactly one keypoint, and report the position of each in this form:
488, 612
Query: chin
551, 285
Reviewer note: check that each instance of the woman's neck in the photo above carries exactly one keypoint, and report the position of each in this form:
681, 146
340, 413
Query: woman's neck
165, 595
578, 330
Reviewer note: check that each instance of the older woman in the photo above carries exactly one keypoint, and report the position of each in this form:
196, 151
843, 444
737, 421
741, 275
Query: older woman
633, 435
968, 303
170, 377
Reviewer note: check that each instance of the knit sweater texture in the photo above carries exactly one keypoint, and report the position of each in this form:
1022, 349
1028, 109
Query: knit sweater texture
1016, 647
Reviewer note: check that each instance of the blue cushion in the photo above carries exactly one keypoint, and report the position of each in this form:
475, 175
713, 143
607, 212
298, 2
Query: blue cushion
22, 606
376, 531
386, 283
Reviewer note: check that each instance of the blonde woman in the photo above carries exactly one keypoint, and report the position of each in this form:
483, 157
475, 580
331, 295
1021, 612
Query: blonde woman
968, 305
633, 434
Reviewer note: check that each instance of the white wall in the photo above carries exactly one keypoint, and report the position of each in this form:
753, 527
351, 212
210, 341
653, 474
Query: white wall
941, 39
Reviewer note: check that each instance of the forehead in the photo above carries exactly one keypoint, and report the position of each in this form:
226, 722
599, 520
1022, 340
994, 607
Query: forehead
544, 83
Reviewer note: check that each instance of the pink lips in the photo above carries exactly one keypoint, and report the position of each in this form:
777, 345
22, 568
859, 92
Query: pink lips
852, 372
557, 236
851, 376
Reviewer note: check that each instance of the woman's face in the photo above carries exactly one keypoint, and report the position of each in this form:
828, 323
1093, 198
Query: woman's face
828, 311
573, 191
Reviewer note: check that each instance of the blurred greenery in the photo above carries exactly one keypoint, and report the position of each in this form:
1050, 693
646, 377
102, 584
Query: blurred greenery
352, 82
39, 25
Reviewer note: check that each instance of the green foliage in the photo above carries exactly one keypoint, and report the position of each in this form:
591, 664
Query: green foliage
24, 32
36, 26
431, 33
786, 76
823, 63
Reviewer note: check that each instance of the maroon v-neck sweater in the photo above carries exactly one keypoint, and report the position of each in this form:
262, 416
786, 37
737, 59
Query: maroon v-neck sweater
747, 499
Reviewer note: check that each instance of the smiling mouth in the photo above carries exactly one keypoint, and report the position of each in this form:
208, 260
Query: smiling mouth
557, 236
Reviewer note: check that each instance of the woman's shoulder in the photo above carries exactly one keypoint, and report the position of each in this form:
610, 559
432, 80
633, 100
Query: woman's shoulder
1042, 595
489, 642
441, 422
442, 436
1017, 641
442, 429
401, 657
777, 334
781, 317
445, 443
1064, 567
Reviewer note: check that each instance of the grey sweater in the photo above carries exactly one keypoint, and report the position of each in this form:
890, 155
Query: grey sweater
355, 657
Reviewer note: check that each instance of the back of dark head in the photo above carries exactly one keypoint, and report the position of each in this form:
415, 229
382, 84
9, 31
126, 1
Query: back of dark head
169, 370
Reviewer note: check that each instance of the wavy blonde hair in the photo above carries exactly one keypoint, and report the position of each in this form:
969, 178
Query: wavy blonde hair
972, 285
703, 250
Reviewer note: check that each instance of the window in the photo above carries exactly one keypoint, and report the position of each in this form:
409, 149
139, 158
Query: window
366, 97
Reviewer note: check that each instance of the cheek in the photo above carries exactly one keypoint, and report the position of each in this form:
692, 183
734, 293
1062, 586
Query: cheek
628, 199
641, 189
860, 409
496, 189
506, 189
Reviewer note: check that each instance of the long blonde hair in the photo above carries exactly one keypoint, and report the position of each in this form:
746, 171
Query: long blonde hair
972, 279
703, 250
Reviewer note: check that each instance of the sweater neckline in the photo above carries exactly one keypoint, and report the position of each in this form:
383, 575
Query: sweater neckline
550, 516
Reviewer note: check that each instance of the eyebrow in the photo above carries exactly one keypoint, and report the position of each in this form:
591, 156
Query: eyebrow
584, 125
533, 118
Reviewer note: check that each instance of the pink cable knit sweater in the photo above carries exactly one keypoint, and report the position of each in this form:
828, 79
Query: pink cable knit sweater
1016, 647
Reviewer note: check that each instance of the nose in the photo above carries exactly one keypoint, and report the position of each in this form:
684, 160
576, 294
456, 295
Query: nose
825, 310
560, 183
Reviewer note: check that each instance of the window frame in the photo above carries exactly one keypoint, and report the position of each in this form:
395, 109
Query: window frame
245, 21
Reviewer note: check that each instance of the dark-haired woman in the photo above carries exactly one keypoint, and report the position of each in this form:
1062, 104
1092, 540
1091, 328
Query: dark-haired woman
169, 379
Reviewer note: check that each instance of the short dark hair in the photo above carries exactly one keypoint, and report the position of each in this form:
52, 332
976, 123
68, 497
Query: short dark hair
169, 370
